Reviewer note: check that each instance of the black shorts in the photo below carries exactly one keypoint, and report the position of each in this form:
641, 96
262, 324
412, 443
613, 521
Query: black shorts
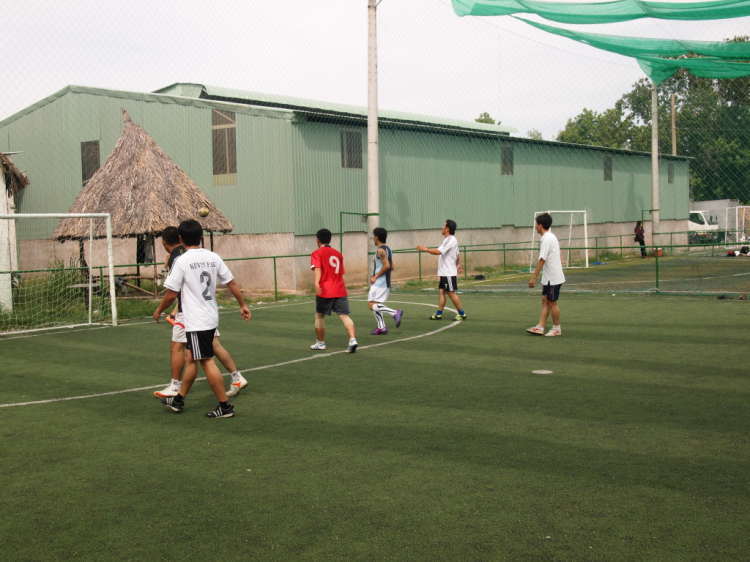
448, 284
201, 344
552, 292
339, 305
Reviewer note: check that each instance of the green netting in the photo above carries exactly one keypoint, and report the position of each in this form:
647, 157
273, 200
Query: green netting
659, 69
605, 12
649, 53
643, 46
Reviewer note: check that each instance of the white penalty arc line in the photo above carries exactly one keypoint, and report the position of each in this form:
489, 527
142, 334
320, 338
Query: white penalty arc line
261, 368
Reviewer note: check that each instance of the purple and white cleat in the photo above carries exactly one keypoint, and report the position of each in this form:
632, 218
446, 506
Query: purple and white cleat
397, 317
379, 332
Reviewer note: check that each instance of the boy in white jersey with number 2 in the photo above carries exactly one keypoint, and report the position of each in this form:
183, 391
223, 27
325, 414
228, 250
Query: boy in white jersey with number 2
381, 283
448, 270
195, 276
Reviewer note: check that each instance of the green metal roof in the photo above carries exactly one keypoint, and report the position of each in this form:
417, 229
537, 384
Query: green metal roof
328, 108
278, 113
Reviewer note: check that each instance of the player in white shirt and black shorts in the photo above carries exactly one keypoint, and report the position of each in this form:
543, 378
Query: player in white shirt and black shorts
194, 277
448, 270
553, 277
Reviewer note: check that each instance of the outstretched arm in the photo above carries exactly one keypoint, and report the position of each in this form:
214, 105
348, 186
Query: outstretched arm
433, 251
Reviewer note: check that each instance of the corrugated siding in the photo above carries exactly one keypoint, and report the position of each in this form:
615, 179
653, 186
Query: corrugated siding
322, 187
290, 176
426, 178
50, 139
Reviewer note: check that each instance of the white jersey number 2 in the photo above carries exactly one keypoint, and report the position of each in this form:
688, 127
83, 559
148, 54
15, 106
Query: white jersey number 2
334, 263
206, 278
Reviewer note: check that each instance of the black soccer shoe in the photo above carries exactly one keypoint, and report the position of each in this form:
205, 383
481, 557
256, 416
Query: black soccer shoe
175, 403
220, 412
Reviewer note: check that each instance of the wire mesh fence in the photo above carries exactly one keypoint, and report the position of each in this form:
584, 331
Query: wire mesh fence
484, 120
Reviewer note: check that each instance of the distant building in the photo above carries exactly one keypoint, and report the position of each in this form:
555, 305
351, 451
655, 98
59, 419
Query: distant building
284, 167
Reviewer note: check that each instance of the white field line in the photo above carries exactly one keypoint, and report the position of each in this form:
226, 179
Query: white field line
261, 368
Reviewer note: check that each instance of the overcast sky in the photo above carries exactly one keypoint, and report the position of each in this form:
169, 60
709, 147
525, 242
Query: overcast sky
430, 61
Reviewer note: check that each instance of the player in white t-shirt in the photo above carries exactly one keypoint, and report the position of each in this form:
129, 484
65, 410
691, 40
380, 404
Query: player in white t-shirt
448, 269
552, 276
194, 277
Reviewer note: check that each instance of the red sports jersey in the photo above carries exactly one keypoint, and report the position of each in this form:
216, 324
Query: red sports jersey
331, 264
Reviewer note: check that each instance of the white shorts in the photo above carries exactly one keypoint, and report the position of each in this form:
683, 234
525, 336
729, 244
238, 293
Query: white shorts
378, 294
178, 329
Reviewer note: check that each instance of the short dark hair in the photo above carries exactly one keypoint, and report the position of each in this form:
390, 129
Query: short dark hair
171, 236
545, 220
191, 232
324, 235
381, 233
451, 226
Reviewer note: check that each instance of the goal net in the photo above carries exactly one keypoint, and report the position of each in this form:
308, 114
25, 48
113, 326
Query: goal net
48, 283
738, 224
572, 232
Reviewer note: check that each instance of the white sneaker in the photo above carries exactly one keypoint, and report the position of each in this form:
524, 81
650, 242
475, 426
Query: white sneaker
536, 330
235, 387
167, 392
318, 346
352, 346
553, 332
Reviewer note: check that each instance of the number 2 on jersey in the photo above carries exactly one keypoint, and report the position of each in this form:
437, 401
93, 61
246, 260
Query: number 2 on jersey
206, 278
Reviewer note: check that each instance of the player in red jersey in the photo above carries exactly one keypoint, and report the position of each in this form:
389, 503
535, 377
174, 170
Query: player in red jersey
330, 291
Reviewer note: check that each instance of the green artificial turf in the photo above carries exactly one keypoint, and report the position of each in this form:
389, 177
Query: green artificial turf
435, 446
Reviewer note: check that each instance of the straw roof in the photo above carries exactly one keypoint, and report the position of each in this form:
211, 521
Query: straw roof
143, 191
15, 181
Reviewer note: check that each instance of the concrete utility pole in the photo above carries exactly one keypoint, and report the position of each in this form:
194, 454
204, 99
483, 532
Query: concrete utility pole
654, 162
373, 172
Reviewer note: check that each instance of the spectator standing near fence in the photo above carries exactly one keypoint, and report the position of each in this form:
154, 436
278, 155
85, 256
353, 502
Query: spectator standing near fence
640, 237
448, 270
550, 266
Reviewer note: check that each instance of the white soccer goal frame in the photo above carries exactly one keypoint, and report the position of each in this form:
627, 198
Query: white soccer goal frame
9, 264
534, 254
734, 224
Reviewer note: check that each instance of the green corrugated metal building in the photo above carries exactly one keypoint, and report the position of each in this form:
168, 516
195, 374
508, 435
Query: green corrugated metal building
276, 164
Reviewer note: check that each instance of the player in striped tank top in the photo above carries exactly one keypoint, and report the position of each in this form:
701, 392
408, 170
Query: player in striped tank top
381, 283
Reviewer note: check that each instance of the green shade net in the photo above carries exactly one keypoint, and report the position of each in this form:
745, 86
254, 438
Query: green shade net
642, 46
605, 12
659, 69
649, 52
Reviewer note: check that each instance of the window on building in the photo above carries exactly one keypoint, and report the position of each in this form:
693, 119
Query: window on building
607, 168
506, 160
670, 172
89, 159
351, 148
224, 131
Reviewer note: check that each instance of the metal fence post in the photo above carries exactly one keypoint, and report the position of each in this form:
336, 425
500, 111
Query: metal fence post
275, 282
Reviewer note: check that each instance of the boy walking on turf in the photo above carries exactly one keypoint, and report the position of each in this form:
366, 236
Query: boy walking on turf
170, 239
552, 276
194, 277
380, 281
448, 270
330, 291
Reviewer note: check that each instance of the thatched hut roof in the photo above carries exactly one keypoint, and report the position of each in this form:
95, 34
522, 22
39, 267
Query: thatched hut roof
143, 191
15, 181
